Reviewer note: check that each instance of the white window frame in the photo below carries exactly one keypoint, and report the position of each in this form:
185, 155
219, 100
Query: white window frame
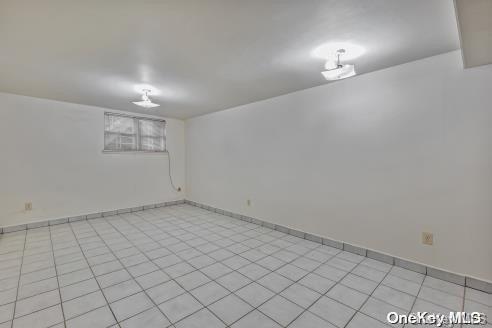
137, 120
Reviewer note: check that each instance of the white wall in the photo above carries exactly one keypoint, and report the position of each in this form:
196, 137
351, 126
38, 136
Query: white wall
51, 154
372, 160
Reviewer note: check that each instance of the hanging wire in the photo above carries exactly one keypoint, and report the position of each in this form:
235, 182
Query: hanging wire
169, 163
169, 170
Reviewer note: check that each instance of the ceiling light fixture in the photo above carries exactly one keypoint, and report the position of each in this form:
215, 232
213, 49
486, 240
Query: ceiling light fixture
337, 71
329, 51
145, 102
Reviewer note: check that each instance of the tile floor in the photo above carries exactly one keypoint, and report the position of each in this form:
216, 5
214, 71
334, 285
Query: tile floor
182, 266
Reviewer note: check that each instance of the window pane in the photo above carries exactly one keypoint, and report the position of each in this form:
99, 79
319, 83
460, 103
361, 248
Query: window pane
151, 128
115, 141
152, 143
151, 135
120, 133
125, 133
120, 124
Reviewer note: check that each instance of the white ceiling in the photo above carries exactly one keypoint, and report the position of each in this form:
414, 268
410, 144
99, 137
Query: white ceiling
204, 55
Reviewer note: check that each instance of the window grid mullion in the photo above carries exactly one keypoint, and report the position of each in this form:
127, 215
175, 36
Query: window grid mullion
153, 142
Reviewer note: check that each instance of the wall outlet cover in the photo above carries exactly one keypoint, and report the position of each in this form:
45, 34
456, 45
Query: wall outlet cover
427, 238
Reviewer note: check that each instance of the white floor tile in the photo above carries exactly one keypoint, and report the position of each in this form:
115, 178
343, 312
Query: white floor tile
180, 307
209, 293
183, 256
79, 289
130, 306
37, 302
254, 294
332, 311
83, 304
6, 312
309, 320
200, 319
121, 290
230, 308
394, 297
152, 318
192, 280
98, 318
281, 310
165, 291
256, 319
40, 319
301, 295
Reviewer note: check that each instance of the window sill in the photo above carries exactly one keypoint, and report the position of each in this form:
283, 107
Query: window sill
134, 152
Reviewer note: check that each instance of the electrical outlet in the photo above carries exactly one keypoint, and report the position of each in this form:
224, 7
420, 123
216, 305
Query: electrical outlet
28, 206
248, 202
427, 238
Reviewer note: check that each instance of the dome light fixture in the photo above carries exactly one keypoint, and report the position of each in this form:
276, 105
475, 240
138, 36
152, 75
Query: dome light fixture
145, 102
337, 70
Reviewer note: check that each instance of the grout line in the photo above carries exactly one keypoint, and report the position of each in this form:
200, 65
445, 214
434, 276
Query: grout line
336, 283
463, 303
127, 279
298, 255
255, 281
79, 315
321, 296
214, 280
415, 300
174, 279
387, 272
18, 281
143, 290
39, 310
57, 281
307, 236
93, 275
196, 269
218, 226
370, 295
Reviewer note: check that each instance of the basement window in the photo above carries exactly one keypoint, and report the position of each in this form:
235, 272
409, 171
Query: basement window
123, 133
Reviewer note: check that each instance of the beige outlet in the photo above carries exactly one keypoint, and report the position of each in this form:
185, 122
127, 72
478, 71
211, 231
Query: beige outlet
427, 238
248, 202
28, 206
